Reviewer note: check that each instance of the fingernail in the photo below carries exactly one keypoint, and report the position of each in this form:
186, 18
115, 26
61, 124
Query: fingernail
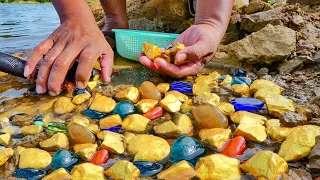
26, 71
80, 85
39, 89
181, 57
156, 66
53, 93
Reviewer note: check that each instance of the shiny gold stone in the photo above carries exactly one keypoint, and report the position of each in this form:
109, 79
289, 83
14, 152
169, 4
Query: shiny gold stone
85, 151
93, 128
170, 103
227, 81
145, 105
209, 80
87, 171
241, 90
113, 142
187, 106
51, 118
181, 97
81, 120
163, 87
184, 124
46, 106
102, 104
182, 170
5, 154
218, 167
251, 130
110, 121
226, 108
5, 139
151, 51
92, 84
262, 94
34, 158
167, 129
263, 84
59, 174
201, 89
213, 99
177, 48
20, 149
275, 131
299, 143
238, 116
131, 94
135, 123
31, 130
216, 137
265, 165
57, 141
215, 75
123, 170
63, 105
127, 138
278, 105
4, 119
81, 98
148, 148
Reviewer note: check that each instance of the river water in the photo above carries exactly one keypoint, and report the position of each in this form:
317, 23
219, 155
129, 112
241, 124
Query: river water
22, 26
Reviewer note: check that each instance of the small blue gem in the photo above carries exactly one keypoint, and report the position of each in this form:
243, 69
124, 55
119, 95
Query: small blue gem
38, 117
247, 104
39, 123
239, 73
81, 91
113, 129
64, 159
124, 109
94, 114
148, 169
182, 87
29, 174
241, 80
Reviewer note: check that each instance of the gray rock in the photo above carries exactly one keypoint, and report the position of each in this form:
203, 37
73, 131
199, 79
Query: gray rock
289, 66
311, 33
297, 174
304, 2
297, 20
314, 121
291, 119
316, 57
257, 6
314, 157
262, 72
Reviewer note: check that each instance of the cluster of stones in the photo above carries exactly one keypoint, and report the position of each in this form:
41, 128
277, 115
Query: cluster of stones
161, 131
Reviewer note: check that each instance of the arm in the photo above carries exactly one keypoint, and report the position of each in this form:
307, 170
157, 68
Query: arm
116, 14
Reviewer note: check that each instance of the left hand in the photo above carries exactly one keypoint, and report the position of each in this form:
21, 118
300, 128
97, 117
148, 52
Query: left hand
202, 41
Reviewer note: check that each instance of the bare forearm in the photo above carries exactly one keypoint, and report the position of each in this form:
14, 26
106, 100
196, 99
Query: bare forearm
114, 7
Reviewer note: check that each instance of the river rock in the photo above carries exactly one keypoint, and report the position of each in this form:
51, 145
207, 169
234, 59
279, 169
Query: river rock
291, 119
272, 43
21, 120
314, 157
123, 170
257, 6
289, 66
304, 2
297, 174
311, 33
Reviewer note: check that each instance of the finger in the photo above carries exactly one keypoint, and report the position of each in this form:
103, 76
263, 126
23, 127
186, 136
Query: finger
177, 40
37, 54
106, 63
150, 64
46, 65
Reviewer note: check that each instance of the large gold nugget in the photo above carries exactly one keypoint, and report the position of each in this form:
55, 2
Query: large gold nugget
87, 171
151, 51
123, 170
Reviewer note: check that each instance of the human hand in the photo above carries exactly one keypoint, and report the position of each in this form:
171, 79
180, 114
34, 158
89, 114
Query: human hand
76, 38
202, 41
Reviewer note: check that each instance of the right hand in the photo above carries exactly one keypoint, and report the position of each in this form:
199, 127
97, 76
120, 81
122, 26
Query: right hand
76, 38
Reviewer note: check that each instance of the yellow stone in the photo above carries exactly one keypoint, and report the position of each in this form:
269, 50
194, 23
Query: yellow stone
59, 174
85, 151
278, 105
131, 94
81, 98
5, 154
34, 158
170, 103
265, 165
57, 141
184, 123
299, 143
262, 94
209, 80
263, 84
110, 121
135, 123
102, 104
63, 105
151, 51
51, 118
20, 109
5, 139
4, 119
218, 167
148, 148
46, 106
87, 171
212, 99
215, 137
182, 171
251, 130
31, 130
20, 149
201, 89
167, 129
123, 170
145, 105
113, 142
181, 97
163, 87
92, 84
227, 81
238, 116
177, 48
275, 131
81, 120
93, 128
215, 75
127, 138
226, 108
187, 106
241, 90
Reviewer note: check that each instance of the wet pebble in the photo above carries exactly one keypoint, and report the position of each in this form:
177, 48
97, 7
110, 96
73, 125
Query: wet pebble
247, 104
100, 158
80, 134
149, 91
291, 119
154, 113
21, 120
29, 174
148, 169
209, 116
235, 147
94, 114
64, 159
124, 109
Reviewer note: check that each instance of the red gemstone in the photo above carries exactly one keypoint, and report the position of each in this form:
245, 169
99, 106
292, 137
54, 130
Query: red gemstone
70, 86
154, 113
100, 158
235, 147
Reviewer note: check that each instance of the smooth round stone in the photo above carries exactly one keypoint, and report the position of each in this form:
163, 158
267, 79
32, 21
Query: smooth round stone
241, 80
148, 169
100, 158
64, 159
150, 91
209, 116
113, 129
38, 117
124, 109
239, 73
247, 104
29, 174
57, 127
19, 114
80, 134
182, 87
81, 91
40, 123
187, 148
94, 114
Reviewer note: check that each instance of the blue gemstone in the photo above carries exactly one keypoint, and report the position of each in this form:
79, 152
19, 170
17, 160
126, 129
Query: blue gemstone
29, 174
241, 80
148, 169
124, 109
38, 117
247, 104
81, 91
64, 159
222, 77
239, 73
39, 123
113, 129
187, 148
94, 114
57, 127
182, 87
17, 136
